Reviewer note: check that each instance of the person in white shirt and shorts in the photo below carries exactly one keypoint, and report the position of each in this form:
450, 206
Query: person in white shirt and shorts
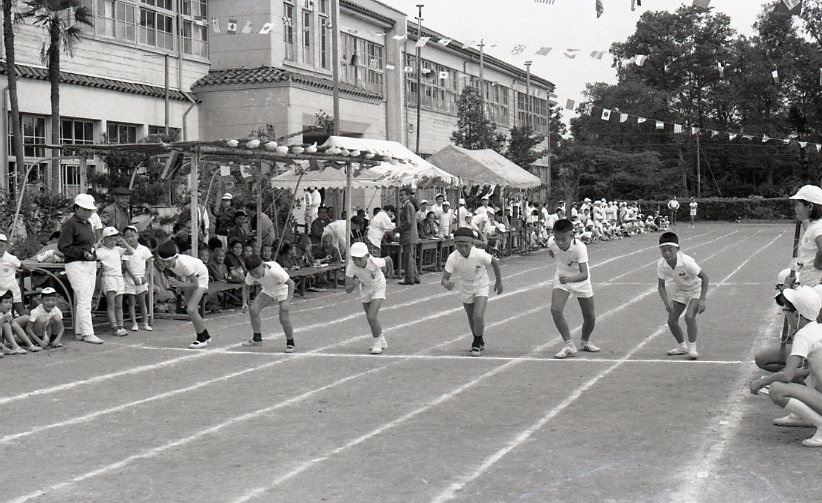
276, 287
366, 271
192, 278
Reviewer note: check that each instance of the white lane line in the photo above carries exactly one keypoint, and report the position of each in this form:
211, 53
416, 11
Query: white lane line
451, 491
696, 477
245, 417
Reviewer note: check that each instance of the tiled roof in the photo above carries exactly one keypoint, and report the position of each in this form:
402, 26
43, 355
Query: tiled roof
37, 73
267, 74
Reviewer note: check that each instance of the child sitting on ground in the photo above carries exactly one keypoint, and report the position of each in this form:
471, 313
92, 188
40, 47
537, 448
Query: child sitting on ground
12, 331
45, 322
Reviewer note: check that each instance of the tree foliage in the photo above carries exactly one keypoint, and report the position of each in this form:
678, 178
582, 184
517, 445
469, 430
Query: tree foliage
522, 146
474, 130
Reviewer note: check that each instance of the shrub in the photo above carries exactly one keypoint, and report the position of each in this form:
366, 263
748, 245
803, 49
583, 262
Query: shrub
728, 209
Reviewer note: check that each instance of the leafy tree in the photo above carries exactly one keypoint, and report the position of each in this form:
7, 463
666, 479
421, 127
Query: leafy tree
522, 145
54, 16
474, 130
9, 17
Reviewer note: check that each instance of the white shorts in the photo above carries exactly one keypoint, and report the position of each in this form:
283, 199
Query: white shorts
693, 213
131, 288
14, 287
581, 290
113, 283
367, 295
467, 295
202, 282
279, 295
809, 276
684, 296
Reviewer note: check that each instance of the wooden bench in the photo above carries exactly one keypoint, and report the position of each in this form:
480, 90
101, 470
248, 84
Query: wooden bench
300, 275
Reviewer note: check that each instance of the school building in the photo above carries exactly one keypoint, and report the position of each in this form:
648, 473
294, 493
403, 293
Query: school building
226, 79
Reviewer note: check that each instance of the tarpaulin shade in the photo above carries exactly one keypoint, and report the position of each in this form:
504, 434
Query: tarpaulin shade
483, 166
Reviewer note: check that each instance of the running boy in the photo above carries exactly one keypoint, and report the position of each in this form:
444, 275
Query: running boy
45, 322
135, 281
469, 263
689, 287
571, 277
276, 287
193, 280
367, 272
112, 256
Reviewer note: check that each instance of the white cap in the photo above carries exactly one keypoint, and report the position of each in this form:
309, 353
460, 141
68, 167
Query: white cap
424, 201
810, 193
462, 201
782, 277
484, 197
48, 291
358, 250
228, 196
806, 301
110, 231
490, 211
85, 201
3, 237
446, 202
586, 200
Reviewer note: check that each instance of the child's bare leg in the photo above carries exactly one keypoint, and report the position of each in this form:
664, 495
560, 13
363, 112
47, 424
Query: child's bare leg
193, 297
41, 331
673, 321
111, 308
589, 318
141, 301
285, 321
558, 299
21, 335
9, 335
132, 312
469, 310
118, 310
57, 328
372, 310
690, 319
478, 315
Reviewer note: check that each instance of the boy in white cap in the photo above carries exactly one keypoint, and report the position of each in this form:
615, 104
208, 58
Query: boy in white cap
689, 288
468, 264
44, 324
803, 401
134, 279
192, 277
276, 287
463, 215
9, 265
112, 256
367, 272
446, 220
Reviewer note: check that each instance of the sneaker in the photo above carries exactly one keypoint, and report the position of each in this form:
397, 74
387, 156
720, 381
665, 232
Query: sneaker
383, 342
119, 331
376, 347
34, 348
91, 339
692, 354
135, 328
198, 344
252, 344
147, 327
476, 350
815, 440
18, 351
289, 348
791, 420
56, 345
566, 352
590, 348
679, 350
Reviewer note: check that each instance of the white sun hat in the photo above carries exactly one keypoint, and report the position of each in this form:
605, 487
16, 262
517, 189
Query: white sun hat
810, 193
806, 301
85, 201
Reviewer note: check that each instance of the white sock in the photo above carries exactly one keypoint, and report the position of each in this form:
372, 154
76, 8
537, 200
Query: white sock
570, 344
691, 346
804, 411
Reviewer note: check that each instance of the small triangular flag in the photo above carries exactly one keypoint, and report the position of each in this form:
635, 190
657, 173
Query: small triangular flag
786, 141
606, 114
600, 8
444, 41
569, 104
640, 120
215, 25
225, 170
694, 130
232, 27
802, 144
571, 53
623, 117
597, 54
765, 138
701, 3
747, 137
640, 59
245, 170
389, 66
443, 75
543, 51
794, 7
677, 128
266, 29
714, 133
731, 136
422, 41
248, 27
660, 125
775, 76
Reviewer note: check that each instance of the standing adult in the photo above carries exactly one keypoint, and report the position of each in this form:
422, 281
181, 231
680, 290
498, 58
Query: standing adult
808, 209
267, 232
116, 214
409, 237
224, 212
76, 243
692, 210
313, 200
318, 225
446, 220
673, 205
463, 215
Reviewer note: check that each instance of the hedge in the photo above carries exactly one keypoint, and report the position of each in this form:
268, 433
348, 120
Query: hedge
728, 209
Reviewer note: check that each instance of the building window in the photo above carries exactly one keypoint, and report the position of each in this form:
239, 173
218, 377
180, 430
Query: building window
76, 132
361, 63
121, 133
540, 111
156, 29
439, 86
118, 20
195, 8
160, 4
70, 179
288, 30
34, 133
195, 39
323, 7
173, 132
307, 38
324, 62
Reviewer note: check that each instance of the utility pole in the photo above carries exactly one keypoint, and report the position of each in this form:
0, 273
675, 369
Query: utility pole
698, 171
481, 80
166, 95
419, 73
335, 62
528, 93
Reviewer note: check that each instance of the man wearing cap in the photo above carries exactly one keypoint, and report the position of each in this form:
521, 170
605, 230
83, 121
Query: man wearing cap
240, 230
446, 220
76, 243
224, 212
463, 215
483, 205
409, 237
423, 212
116, 214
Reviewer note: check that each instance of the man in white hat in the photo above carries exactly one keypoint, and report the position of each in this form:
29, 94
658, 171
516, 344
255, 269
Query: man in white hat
76, 243
446, 220
483, 207
463, 215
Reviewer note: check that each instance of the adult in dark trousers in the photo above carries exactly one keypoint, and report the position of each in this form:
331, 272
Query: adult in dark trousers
409, 237
673, 205
116, 214
76, 243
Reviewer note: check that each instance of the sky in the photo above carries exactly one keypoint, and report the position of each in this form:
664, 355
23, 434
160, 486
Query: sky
566, 24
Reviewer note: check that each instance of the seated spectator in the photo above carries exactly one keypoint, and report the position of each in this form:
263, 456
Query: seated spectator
288, 257
164, 298
204, 254
234, 261
12, 331
267, 253
248, 250
773, 358
430, 226
304, 251
327, 252
217, 269
319, 224
240, 230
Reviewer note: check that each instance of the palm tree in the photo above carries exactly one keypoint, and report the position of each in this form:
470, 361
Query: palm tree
9, 17
55, 17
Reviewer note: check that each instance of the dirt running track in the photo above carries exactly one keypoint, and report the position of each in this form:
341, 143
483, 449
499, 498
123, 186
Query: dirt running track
142, 419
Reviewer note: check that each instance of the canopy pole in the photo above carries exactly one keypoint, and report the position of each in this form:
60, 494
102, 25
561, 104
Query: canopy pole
259, 207
195, 221
347, 207
288, 217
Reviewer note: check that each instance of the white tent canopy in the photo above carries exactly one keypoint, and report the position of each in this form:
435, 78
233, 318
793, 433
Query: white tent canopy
484, 166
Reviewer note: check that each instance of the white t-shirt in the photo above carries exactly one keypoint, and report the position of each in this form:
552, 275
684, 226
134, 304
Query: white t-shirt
481, 210
371, 276
692, 205
40, 314
480, 221
471, 270
806, 253
463, 212
96, 223
378, 226
568, 260
807, 343
445, 218
186, 266
8, 269
274, 281
112, 260
684, 276
673, 204
137, 261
